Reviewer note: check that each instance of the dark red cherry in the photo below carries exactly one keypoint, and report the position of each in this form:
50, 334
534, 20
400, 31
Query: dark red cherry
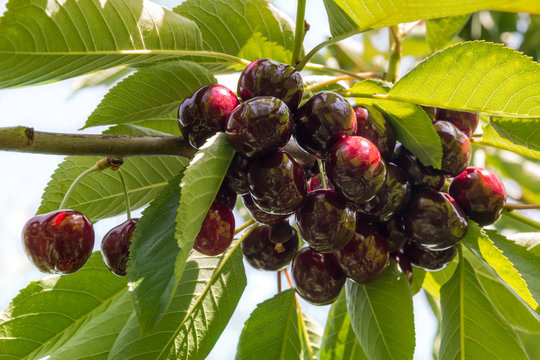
321, 121
356, 169
259, 215
428, 259
434, 220
226, 195
282, 232
115, 246
236, 174
377, 130
480, 193
317, 277
419, 175
216, 232
261, 253
456, 148
259, 126
265, 77
366, 256
315, 183
394, 195
403, 264
302, 157
205, 113
466, 122
325, 221
393, 232
59, 242
277, 183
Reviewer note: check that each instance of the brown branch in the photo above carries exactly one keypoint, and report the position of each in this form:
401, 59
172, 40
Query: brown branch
25, 139
512, 206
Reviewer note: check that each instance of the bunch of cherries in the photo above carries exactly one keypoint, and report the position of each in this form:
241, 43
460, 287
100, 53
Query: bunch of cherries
373, 201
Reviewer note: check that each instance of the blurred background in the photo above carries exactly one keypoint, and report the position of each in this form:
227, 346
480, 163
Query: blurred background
64, 107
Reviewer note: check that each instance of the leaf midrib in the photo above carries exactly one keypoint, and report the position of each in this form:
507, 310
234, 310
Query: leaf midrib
287, 327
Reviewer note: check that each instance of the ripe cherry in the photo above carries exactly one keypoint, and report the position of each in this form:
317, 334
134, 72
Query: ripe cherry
259, 126
216, 232
419, 175
466, 122
265, 77
236, 174
456, 148
205, 113
403, 264
377, 130
480, 193
315, 183
325, 221
428, 259
393, 232
259, 215
59, 242
356, 169
317, 277
115, 246
321, 121
226, 195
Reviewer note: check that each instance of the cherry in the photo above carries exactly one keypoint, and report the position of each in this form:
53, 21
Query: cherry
325, 221
282, 232
428, 259
259, 126
216, 232
434, 220
226, 195
115, 246
456, 148
394, 195
466, 122
259, 215
302, 157
366, 256
58, 242
480, 193
315, 183
403, 264
321, 121
236, 174
205, 113
393, 232
261, 253
271, 78
356, 169
419, 175
377, 130
277, 183
317, 277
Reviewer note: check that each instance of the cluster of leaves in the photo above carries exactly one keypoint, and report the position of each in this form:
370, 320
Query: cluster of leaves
175, 303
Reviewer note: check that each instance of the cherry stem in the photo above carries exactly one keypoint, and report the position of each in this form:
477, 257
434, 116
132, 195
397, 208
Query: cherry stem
406, 32
352, 74
244, 226
394, 55
98, 166
510, 207
278, 281
300, 32
523, 219
126, 194
316, 49
321, 173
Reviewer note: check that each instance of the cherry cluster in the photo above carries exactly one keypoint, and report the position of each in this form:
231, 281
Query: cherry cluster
373, 201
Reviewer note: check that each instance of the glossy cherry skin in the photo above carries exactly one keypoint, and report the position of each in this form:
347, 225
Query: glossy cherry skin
366, 256
404, 265
317, 277
216, 232
356, 169
265, 77
325, 221
205, 113
59, 242
420, 176
115, 246
393, 232
480, 193
277, 183
259, 126
428, 259
282, 232
259, 215
456, 148
315, 183
394, 195
236, 174
321, 121
434, 220
466, 122
377, 130
226, 195
302, 157
261, 253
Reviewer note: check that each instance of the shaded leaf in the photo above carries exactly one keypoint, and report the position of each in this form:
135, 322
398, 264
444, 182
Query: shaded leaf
491, 137
101, 78
439, 32
523, 132
314, 334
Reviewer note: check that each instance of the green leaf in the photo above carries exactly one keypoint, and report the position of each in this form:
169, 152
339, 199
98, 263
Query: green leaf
75, 316
236, 27
471, 326
530, 241
101, 78
272, 330
385, 329
150, 92
439, 32
200, 184
524, 132
153, 252
314, 334
434, 280
43, 41
347, 17
491, 137
204, 301
411, 123
419, 275
526, 262
474, 76
339, 340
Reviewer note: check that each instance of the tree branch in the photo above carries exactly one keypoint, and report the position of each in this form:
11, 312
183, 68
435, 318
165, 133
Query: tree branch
25, 139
